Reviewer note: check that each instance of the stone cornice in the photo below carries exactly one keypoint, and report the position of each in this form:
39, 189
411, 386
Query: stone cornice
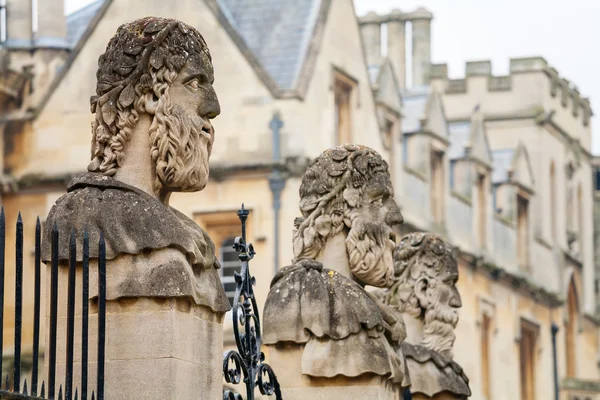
291, 167
580, 385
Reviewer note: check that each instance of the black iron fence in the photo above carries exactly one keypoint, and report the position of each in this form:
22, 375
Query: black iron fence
247, 363
38, 390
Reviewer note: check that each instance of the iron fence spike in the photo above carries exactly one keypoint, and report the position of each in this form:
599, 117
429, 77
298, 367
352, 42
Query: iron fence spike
2, 253
18, 304
36, 307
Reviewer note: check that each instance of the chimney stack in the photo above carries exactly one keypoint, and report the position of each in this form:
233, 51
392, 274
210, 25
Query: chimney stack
396, 44
19, 29
421, 52
370, 28
52, 25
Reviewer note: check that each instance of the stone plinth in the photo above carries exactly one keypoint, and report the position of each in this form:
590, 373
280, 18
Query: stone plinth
286, 361
156, 348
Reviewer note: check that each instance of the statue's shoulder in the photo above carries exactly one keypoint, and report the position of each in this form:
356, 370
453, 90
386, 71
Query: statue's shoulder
308, 300
449, 375
132, 221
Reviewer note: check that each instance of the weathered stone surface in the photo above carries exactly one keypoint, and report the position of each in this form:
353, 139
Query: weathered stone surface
433, 374
129, 219
151, 136
425, 292
317, 317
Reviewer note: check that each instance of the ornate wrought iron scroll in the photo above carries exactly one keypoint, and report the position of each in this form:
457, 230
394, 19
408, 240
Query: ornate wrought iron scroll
247, 362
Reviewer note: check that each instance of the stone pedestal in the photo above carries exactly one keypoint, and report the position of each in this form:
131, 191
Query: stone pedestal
286, 361
156, 348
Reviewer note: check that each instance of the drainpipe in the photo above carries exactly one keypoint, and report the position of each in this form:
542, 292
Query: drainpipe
554, 332
276, 183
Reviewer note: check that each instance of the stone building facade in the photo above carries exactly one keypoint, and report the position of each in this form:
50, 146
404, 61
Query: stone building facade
501, 166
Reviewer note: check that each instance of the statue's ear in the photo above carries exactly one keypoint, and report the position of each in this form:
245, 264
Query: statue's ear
420, 289
150, 103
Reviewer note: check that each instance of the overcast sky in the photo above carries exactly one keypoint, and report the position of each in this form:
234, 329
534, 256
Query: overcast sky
564, 32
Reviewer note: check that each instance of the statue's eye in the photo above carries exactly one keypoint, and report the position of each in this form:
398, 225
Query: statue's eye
194, 84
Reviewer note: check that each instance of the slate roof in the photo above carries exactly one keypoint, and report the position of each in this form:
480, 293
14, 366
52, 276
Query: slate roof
502, 161
277, 32
415, 102
459, 134
78, 22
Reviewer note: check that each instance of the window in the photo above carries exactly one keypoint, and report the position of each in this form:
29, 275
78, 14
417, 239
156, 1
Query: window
482, 205
223, 228
2, 21
552, 196
580, 221
571, 330
597, 177
230, 264
527, 352
437, 186
523, 230
485, 355
343, 95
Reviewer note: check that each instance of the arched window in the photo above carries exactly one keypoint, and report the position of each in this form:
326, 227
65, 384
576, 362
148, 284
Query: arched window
571, 330
230, 264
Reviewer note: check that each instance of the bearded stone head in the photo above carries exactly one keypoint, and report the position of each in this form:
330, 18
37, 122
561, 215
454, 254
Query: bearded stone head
348, 190
425, 288
159, 67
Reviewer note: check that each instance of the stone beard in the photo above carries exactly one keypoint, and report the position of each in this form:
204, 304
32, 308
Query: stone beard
438, 325
180, 148
370, 251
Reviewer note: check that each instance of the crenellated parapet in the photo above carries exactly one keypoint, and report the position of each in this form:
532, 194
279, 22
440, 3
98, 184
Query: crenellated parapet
564, 92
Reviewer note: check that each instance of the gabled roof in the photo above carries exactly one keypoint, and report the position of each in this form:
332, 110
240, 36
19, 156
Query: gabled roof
385, 85
512, 165
278, 33
78, 22
522, 171
469, 139
423, 111
480, 145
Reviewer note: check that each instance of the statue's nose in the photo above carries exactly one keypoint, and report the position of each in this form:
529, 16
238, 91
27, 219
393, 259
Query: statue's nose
394, 216
210, 107
455, 300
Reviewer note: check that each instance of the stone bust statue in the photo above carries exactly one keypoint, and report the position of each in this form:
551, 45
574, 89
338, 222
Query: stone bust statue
425, 293
343, 241
151, 136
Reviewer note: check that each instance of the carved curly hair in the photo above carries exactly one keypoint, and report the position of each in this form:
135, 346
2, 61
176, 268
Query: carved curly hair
332, 186
140, 62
